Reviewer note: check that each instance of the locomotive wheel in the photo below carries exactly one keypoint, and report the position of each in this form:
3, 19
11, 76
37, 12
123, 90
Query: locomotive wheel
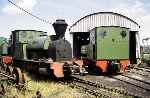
9, 70
17, 74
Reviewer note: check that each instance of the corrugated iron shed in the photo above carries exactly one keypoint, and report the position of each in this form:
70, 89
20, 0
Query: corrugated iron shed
103, 19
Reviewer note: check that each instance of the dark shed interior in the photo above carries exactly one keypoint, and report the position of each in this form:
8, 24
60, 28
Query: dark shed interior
79, 39
132, 46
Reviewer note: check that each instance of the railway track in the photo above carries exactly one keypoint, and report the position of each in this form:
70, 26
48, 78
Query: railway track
99, 90
141, 71
138, 87
136, 78
133, 87
88, 88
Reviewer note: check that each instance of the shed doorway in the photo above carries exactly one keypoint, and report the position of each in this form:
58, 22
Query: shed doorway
79, 39
132, 47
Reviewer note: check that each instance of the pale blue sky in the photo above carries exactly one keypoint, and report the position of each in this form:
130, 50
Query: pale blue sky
70, 10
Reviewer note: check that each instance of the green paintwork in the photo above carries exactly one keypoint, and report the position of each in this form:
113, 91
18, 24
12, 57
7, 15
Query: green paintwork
29, 39
89, 51
111, 45
20, 51
39, 43
24, 36
34, 39
24, 46
3, 46
47, 43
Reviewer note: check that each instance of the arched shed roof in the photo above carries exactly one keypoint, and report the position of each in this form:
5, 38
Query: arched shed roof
103, 19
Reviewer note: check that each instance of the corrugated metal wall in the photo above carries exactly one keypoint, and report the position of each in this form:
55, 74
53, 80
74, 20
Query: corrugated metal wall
103, 19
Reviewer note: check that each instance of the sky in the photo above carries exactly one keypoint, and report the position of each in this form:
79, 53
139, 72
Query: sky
12, 18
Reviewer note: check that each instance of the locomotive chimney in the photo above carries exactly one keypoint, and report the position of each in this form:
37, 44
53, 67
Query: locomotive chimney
60, 27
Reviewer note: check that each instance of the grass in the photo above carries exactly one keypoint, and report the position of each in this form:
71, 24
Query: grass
48, 89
